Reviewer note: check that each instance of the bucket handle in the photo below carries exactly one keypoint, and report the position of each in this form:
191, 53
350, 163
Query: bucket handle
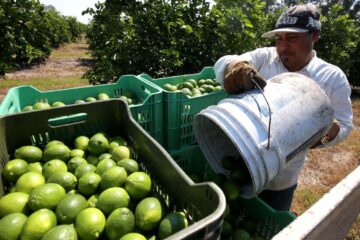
269, 126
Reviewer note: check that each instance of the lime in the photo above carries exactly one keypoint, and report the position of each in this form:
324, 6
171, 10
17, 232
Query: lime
61, 232
103, 96
27, 108
241, 234
148, 213
69, 207
28, 181
104, 165
90, 99
241, 176
54, 166
231, 190
91, 202
119, 153
79, 101
229, 163
94, 160
90, 223
41, 105
66, 179
53, 143
112, 198
98, 144
58, 151
138, 185
29, 153
104, 156
84, 168
81, 142
172, 223
35, 167
133, 236
11, 225
88, 183
46, 196
113, 177
74, 162
15, 202
115, 142
77, 153
129, 164
14, 169
58, 104
120, 222
37, 224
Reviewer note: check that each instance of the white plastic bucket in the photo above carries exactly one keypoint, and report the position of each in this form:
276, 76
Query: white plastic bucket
300, 115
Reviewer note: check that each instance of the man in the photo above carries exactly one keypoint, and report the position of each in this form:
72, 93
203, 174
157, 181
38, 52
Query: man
296, 32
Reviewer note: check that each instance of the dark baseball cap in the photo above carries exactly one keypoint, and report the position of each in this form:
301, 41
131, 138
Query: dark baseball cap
299, 18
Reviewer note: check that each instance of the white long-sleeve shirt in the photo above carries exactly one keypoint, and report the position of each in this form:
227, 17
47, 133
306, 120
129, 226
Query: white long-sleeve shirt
330, 78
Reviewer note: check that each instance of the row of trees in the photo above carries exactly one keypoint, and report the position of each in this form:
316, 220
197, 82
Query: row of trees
162, 37
29, 30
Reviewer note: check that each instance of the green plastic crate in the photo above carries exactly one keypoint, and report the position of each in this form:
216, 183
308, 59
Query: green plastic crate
148, 112
204, 203
269, 222
179, 110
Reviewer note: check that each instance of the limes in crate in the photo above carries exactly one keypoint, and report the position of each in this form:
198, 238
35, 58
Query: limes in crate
104, 156
90, 223
81, 142
172, 223
94, 160
35, 167
57, 151
65, 179
41, 105
129, 164
11, 226
74, 162
98, 144
112, 198
46, 196
53, 166
53, 143
170, 87
14, 169
69, 207
38, 223
77, 153
113, 177
15, 202
133, 236
27, 108
90, 99
28, 181
61, 232
104, 165
91, 202
58, 104
88, 183
120, 222
103, 96
83, 169
148, 214
29, 153
138, 185
120, 152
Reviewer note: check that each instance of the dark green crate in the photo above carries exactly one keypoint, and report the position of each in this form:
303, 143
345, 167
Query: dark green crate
269, 222
179, 110
148, 112
204, 203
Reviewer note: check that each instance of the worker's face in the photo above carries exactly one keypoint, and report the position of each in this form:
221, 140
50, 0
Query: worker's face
295, 49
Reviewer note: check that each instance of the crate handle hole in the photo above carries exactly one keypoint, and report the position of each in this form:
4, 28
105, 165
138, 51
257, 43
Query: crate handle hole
68, 120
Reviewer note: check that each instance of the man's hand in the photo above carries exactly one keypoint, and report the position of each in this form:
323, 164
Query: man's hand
329, 136
239, 75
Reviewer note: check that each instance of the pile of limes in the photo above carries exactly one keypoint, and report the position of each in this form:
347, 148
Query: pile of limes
93, 189
38, 105
194, 88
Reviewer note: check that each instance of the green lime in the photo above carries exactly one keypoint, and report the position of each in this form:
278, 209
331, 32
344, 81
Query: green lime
113, 177
129, 164
37, 224
15, 202
98, 144
66, 179
120, 222
229, 163
41, 105
14, 169
104, 165
61, 232
27, 108
11, 225
77, 153
35, 167
74, 162
133, 236
79, 101
172, 223
138, 185
115, 142
119, 153
112, 198
84, 168
103, 96
53, 166
231, 190
46, 196
94, 160
69, 207
148, 214
91, 202
90, 223
53, 143
241, 234
90, 99
58, 104
88, 183
58, 151
104, 156
29, 181
29, 153
81, 142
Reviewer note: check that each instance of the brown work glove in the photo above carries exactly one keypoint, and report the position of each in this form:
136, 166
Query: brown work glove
239, 75
329, 136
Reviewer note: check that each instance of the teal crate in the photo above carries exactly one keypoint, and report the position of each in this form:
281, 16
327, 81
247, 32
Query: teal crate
179, 110
148, 112
268, 221
204, 203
